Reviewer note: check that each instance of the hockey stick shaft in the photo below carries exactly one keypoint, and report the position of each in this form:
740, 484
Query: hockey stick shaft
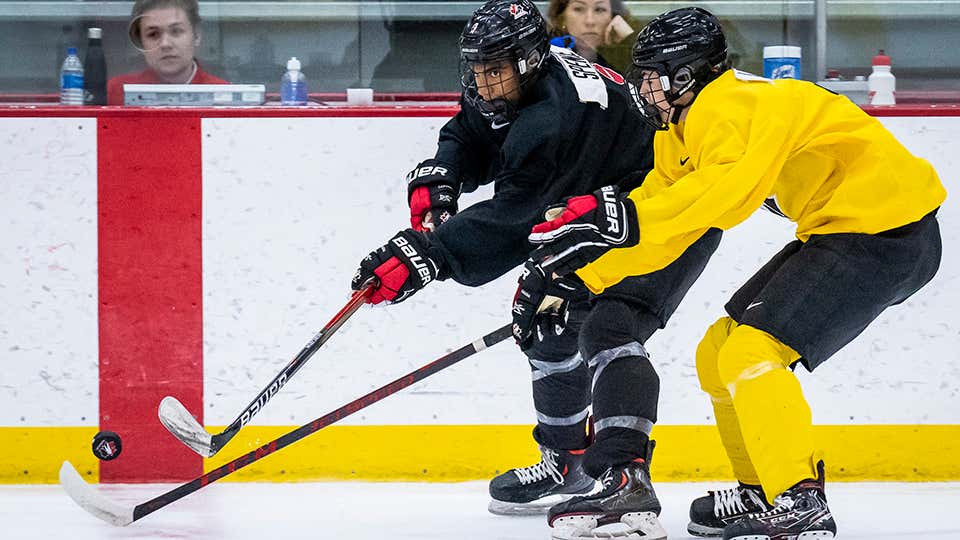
415, 376
219, 440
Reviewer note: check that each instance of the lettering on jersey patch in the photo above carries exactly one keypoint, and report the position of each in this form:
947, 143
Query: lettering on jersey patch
590, 86
749, 77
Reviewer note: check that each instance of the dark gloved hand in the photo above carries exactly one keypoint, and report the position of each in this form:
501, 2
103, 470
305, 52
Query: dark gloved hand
432, 195
540, 305
587, 227
401, 267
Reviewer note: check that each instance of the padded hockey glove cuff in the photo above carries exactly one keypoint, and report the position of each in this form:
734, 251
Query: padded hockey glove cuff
402, 267
432, 192
588, 227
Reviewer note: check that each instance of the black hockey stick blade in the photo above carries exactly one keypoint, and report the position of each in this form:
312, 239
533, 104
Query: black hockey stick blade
88, 498
182, 425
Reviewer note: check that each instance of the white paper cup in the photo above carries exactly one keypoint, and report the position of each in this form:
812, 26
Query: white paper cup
360, 96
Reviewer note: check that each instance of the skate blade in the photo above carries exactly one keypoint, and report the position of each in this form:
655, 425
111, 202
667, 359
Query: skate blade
815, 535
703, 531
807, 535
638, 525
538, 507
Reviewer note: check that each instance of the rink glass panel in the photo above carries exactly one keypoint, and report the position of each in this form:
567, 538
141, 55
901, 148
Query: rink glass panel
412, 46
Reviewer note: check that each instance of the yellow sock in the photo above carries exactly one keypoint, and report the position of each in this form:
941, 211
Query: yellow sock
775, 420
727, 423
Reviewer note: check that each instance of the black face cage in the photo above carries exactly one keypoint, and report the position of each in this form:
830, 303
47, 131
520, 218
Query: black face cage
691, 76
524, 48
647, 107
499, 111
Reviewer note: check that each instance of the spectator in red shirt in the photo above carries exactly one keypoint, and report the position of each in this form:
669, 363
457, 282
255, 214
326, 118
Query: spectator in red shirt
167, 32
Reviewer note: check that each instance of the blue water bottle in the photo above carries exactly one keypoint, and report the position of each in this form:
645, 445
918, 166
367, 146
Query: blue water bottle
293, 85
71, 79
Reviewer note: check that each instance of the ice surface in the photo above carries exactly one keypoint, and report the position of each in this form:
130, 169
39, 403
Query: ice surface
367, 511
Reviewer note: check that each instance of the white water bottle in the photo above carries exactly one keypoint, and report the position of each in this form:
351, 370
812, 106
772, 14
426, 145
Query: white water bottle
71, 79
293, 85
881, 83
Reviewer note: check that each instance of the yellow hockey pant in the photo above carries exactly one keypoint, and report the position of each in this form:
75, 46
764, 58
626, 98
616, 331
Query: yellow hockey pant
763, 418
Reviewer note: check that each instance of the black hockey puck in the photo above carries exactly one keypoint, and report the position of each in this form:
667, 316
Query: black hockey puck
106, 445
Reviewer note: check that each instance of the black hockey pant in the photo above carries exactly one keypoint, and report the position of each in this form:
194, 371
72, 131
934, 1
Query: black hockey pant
599, 361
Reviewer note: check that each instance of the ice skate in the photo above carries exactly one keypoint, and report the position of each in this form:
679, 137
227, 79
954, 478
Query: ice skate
533, 490
711, 513
625, 507
799, 513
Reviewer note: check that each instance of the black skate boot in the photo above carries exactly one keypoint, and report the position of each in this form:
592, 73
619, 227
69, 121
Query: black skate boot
711, 513
799, 513
625, 507
533, 490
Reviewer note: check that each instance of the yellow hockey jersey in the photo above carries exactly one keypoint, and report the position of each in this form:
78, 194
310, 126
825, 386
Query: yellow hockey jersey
829, 166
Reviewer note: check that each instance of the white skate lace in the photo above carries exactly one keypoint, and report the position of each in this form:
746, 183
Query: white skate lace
546, 467
607, 479
728, 502
783, 503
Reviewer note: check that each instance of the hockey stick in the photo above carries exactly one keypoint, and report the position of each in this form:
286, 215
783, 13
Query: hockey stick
178, 420
114, 513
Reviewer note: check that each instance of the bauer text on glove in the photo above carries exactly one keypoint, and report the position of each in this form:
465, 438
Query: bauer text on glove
401, 267
432, 195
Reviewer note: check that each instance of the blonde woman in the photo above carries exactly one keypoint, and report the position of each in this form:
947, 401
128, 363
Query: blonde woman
599, 30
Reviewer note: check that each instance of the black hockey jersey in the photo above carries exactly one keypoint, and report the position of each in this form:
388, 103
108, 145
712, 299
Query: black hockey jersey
576, 132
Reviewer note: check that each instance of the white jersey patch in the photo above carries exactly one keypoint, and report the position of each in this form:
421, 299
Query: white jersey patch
589, 83
749, 77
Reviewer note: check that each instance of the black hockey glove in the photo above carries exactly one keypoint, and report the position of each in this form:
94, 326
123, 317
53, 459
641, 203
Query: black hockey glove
432, 195
401, 267
540, 304
587, 227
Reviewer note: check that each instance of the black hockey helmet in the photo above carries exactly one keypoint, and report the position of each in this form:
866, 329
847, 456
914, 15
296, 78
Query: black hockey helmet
685, 49
503, 30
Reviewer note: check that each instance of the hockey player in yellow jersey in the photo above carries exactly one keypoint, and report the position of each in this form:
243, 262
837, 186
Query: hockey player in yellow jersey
867, 238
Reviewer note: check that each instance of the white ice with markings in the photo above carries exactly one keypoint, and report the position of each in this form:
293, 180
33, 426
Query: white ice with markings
368, 511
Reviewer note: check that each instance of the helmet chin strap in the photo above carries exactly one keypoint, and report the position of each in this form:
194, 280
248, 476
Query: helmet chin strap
675, 113
677, 110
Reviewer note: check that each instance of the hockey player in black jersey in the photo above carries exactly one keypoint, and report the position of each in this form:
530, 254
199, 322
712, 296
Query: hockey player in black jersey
543, 124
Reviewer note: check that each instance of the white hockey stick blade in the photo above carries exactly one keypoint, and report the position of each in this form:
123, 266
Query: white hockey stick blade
178, 420
91, 500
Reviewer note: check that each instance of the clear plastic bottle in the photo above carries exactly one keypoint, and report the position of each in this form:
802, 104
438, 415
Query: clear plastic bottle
881, 82
95, 70
71, 79
63, 41
293, 85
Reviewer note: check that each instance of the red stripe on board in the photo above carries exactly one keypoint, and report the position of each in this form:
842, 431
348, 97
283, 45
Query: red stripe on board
151, 333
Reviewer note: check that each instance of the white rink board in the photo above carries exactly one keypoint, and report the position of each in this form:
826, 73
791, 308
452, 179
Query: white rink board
48, 272
291, 205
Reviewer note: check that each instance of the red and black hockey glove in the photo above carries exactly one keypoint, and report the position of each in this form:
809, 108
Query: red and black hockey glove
540, 304
401, 267
587, 227
432, 195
